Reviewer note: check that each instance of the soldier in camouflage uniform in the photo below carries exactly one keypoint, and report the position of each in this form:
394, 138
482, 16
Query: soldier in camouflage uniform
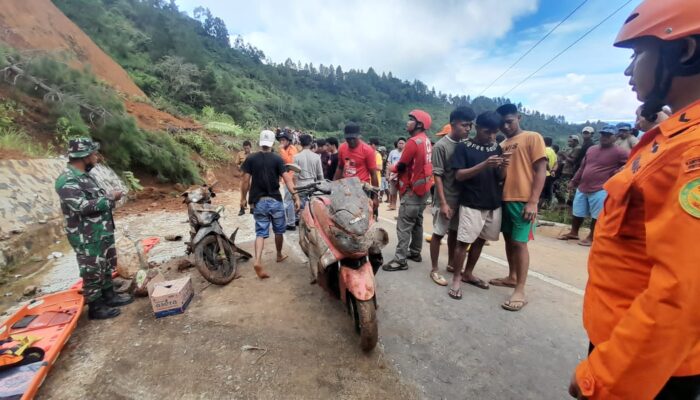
89, 225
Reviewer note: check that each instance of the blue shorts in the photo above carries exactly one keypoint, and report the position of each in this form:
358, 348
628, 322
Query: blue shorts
589, 204
269, 210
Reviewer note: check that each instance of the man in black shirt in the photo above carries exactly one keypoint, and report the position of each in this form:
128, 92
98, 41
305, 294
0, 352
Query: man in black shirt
265, 169
332, 149
480, 167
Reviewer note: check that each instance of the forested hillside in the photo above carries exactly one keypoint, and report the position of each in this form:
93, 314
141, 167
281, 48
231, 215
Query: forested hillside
185, 64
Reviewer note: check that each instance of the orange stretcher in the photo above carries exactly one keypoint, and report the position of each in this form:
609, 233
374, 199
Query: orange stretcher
32, 339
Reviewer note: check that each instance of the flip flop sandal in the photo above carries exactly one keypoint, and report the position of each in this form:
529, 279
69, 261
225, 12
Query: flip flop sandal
501, 283
279, 260
439, 279
585, 243
450, 269
567, 237
455, 294
480, 283
394, 265
514, 305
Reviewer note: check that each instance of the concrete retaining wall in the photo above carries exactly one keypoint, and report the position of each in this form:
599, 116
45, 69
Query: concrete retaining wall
29, 205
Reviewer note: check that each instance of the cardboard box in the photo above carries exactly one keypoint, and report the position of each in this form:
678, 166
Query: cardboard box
171, 297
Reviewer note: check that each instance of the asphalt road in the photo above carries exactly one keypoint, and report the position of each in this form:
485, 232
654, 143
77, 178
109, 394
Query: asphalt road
472, 348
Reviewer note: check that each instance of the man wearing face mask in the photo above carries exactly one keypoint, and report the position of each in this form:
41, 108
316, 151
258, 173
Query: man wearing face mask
640, 306
89, 225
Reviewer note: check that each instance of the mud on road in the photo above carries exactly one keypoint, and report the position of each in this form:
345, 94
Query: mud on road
305, 344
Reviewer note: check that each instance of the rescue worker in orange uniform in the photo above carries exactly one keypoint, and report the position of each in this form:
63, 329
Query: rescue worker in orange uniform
642, 303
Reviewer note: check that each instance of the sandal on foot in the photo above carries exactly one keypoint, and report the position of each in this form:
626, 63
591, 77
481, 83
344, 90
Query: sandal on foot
568, 236
455, 294
514, 305
480, 283
437, 278
284, 257
450, 269
502, 282
395, 265
585, 243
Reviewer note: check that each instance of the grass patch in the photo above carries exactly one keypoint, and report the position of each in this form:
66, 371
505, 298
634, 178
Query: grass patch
15, 139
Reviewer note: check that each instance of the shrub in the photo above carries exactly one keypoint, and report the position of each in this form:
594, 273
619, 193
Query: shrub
204, 146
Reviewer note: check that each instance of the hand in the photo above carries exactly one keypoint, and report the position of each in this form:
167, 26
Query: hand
446, 211
493, 161
117, 195
574, 390
505, 162
297, 203
530, 211
570, 186
553, 173
375, 202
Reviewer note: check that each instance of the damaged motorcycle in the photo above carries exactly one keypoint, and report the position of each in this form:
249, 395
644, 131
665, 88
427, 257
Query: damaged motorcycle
344, 246
214, 252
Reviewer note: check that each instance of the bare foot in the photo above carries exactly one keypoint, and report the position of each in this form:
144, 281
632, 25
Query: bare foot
281, 257
260, 271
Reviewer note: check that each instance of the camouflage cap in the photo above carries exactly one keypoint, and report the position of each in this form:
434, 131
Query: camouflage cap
82, 147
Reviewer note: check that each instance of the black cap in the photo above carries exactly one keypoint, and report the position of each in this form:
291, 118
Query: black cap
352, 130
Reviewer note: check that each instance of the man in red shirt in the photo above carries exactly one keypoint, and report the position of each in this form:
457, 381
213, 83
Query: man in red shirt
415, 171
356, 158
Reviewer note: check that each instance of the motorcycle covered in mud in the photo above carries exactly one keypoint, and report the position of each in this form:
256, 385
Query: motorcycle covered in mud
344, 246
214, 253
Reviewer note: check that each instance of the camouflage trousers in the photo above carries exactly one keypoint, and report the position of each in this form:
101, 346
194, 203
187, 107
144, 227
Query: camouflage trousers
96, 262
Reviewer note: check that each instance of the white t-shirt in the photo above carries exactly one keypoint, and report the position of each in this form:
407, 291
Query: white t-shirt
393, 158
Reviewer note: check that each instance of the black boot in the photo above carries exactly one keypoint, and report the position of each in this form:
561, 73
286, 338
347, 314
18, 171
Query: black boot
99, 310
113, 299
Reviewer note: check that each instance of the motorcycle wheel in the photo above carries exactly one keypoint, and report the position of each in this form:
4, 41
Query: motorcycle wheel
216, 267
365, 318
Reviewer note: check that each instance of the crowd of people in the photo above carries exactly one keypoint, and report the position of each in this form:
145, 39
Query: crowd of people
478, 187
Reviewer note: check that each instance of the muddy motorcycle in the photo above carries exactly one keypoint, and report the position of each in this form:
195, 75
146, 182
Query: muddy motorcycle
215, 254
338, 234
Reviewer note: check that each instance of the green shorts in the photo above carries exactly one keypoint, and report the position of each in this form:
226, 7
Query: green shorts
514, 225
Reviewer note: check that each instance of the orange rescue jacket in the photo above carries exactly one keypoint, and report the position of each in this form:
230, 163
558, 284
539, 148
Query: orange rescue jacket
641, 307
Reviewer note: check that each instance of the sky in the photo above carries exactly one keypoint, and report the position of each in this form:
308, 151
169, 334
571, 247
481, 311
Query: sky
457, 46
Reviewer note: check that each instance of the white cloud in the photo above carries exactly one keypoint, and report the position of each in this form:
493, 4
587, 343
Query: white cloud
575, 78
457, 46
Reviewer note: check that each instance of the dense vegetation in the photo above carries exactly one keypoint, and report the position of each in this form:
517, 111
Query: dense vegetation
80, 105
185, 64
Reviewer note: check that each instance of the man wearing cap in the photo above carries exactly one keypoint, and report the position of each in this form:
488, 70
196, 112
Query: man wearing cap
587, 134
89, 225
356, 158
287, 151
415, 173
266, 169
625, 139
600, 163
